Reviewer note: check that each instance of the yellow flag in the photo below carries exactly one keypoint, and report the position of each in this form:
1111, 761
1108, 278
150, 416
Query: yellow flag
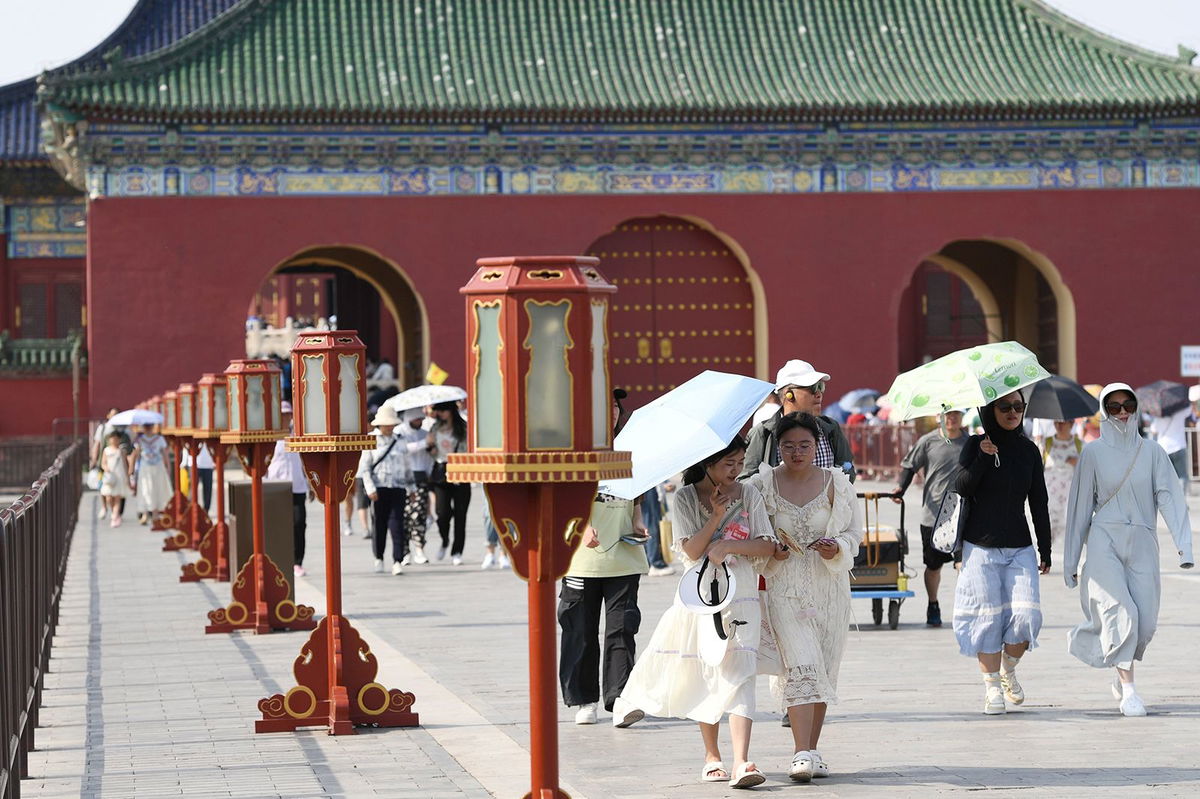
435, 374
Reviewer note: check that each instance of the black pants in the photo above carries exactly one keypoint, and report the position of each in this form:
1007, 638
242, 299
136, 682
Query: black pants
389, 517
205, 478
579, 617
298, 519
453, 499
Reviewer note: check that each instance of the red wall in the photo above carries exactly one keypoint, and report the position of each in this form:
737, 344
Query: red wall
29, 405
170, 279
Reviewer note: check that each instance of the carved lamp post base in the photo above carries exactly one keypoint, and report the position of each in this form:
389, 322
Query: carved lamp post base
213, 563
260, 602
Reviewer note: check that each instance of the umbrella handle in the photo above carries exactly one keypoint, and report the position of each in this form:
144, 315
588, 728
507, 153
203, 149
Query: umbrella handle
720, 627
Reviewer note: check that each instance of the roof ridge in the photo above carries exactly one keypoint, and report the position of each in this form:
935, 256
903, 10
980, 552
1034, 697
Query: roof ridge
1069, 25
165, 56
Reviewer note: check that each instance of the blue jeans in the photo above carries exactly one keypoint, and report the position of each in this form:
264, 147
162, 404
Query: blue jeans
651, 517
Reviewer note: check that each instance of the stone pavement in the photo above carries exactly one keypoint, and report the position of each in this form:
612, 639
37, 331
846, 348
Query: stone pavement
140, 702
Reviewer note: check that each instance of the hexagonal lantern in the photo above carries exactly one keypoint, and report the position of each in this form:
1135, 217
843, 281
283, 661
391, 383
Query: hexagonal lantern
212, 405
169, 410
539, 405
329, 384
185, 409
254, 396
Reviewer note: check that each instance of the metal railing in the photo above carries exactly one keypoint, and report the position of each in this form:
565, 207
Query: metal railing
22, 460
35, 536
879, 448
41, 354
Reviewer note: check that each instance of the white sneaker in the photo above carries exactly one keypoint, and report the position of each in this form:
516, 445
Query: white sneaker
298, 570
489, 560
820, 767
803, 768
348, 529
442, 552
406, 560
456, 560
625, 714
1132, 705
397, 568
586, 714
501, 561
1013, 691
379, 565
418, 554
993, 699
662, 571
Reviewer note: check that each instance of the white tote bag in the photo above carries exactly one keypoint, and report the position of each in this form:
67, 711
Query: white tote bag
947, 529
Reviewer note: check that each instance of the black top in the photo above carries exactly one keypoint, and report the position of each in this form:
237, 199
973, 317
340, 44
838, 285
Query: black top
998, 493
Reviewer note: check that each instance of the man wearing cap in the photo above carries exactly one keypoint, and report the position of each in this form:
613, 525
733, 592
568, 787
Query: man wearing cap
287, 467
800, 389
385, 473
937, 453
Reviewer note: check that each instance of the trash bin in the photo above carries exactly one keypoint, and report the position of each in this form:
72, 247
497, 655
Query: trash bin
277, 526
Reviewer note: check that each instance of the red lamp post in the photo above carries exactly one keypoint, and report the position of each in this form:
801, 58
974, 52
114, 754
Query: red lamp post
540, 439
174, 515
335, 671
196, 521
212, 419
260, 590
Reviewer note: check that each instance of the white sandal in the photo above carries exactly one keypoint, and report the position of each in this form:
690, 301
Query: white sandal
747, 775
709, 772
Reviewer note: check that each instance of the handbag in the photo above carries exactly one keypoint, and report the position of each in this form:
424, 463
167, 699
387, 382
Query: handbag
94, 478
951, 518
438, 473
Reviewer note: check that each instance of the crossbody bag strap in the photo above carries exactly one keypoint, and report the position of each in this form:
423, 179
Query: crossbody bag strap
1128, 471
729, 514
376, 461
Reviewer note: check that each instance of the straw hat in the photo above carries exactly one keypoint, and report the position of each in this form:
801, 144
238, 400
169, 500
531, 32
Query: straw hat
385, 416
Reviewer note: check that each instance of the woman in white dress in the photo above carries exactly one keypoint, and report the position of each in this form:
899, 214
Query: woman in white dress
1122, 482
1060, 453
114, 485
153, 481
717, 517
817, 517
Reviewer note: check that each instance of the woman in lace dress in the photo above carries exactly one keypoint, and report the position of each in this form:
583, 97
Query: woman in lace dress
1060, 453
717, 517
817, 517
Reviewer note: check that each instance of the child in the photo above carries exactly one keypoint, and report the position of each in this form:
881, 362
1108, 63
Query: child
114, 486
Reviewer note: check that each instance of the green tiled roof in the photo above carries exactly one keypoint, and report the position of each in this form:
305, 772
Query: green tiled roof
611, 61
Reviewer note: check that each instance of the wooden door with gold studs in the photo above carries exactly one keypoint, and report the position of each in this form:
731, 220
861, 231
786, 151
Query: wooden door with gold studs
684, 304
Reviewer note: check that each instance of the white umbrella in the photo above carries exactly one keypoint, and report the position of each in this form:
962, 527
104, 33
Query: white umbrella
684, 426
421, 396
135, 417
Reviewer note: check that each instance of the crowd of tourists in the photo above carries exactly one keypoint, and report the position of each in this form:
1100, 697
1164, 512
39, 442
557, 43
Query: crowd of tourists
777, 520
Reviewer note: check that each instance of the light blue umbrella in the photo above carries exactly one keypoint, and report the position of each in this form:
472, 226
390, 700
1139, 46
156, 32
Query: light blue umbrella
684, 426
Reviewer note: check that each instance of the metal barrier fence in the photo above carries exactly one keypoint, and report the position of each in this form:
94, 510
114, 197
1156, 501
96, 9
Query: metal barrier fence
22, 460
35, 534
879, 448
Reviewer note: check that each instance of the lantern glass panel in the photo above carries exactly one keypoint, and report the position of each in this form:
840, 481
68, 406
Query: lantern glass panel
220, 408
186, 403
256, 409
276, 397
204, 394
313, 382
548, 386
489, 389
350, 397
601, 415
170, 424
235, 404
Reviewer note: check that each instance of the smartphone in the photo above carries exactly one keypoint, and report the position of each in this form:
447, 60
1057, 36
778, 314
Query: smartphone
820, 541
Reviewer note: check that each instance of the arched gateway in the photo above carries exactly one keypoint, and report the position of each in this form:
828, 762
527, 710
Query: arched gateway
685, 303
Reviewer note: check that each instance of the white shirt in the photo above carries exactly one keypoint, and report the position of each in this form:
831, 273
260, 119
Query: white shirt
287, 466
419, 459
205, 459
1168, 432
384, 371
390, 471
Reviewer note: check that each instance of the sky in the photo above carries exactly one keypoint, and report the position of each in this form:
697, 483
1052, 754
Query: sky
41, 34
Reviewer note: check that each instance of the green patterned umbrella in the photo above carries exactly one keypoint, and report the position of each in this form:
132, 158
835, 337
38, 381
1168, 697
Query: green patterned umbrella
967, 378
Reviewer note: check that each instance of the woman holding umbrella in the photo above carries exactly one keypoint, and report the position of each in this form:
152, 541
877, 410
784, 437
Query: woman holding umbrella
1120, 484
714, 517
997, 610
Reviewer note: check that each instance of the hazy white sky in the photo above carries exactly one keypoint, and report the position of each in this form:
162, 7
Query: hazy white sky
39, 34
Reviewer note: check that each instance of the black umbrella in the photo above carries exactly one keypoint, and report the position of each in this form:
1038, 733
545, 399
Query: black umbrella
1162, 398
1059, 397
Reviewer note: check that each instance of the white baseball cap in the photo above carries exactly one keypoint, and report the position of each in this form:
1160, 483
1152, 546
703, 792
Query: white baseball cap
798, 373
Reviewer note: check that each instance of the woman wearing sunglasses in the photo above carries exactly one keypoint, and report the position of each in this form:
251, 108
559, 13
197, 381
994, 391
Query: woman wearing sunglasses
715, 517
1121, 483
997, 605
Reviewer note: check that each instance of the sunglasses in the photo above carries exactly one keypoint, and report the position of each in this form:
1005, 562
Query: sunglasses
1018, 406
816, 388
1130, 405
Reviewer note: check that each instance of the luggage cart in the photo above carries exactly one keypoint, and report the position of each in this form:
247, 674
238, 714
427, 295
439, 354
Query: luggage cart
879, 576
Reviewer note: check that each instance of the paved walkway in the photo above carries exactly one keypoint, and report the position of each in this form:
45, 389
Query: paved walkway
140, 702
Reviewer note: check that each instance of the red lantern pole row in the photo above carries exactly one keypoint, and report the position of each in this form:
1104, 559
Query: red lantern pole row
212, 419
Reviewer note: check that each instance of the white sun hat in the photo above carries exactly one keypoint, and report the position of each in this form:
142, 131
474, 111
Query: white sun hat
798, 373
